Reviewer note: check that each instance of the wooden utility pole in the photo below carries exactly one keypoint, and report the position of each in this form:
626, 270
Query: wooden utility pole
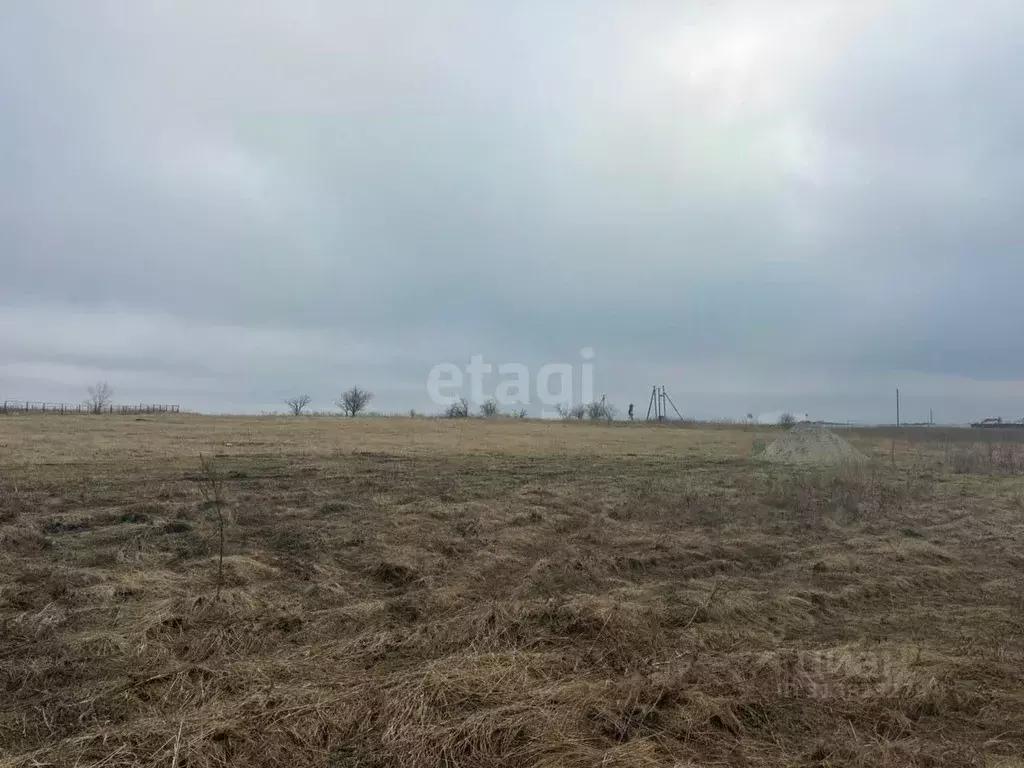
660, 401
669, 400
897, 407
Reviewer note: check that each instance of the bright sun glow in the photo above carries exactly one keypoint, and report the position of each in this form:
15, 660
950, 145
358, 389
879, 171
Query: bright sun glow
728, 68
732, 56
752, 60
747, 62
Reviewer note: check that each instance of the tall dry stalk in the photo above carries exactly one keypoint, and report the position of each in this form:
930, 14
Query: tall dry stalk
211, 485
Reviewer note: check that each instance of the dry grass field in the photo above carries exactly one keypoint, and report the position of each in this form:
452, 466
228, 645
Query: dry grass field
405, 593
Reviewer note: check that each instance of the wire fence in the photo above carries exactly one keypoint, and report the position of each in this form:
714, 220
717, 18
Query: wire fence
26, 406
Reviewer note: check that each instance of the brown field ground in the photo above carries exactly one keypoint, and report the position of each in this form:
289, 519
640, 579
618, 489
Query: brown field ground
410, 592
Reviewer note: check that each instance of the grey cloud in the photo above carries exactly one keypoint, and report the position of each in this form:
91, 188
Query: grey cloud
810, 194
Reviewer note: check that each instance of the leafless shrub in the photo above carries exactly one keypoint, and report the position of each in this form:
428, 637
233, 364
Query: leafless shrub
571, 412
601, 411
211, 485
458, 410
298, 404
787, 420
354, 401
101, 397
489, 408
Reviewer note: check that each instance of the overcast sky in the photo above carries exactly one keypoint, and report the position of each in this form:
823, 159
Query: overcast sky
760, 204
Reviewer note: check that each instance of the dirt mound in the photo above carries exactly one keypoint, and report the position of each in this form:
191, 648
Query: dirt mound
808, 443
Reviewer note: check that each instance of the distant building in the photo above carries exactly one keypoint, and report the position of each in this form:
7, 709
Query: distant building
998, 423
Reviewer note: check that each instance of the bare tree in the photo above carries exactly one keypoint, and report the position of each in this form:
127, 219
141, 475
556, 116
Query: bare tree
298, 404
787, 420
458, 410
101, 396
489, 408
354, 400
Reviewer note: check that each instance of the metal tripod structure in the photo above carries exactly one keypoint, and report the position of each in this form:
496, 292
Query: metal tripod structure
659, 404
